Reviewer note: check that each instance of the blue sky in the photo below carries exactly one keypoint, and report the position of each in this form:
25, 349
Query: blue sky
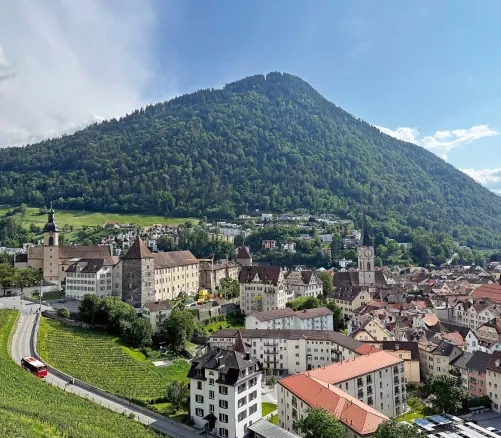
424, 71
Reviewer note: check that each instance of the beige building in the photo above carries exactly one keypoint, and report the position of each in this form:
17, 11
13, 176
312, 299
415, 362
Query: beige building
362, 392
211, 274
435, 358
157, 312
304, 283
320, 318
221, 237
262, 288
349, 298
175, 272
371, 329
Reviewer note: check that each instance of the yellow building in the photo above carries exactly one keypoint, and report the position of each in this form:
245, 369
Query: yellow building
349, 298
175, 272
371, 329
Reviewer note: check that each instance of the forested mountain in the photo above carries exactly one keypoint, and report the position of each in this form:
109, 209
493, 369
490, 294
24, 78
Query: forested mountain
271, 143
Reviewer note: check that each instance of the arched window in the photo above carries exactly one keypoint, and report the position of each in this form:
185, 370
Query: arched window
368, 266
51, 241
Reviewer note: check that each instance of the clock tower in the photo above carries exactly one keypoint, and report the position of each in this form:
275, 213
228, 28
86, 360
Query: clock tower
51, 248
365, 251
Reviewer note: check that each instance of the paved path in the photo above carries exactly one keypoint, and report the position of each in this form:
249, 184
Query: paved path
22, 346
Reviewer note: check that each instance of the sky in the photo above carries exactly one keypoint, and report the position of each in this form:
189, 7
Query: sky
425, 71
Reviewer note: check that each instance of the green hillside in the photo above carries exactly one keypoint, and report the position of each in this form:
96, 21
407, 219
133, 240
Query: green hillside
270, 143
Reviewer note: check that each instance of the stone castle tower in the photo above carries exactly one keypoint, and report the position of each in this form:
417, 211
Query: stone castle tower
138, 275
243, 256
51, 248
365, 251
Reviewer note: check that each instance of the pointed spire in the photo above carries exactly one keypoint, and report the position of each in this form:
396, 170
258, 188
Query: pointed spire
138, 250
240, 344
50, 226
364, 238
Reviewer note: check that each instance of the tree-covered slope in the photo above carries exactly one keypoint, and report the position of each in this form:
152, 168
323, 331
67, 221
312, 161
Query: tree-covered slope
270, 143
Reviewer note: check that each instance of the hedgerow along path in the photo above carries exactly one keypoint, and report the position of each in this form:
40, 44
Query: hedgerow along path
99, 359
31, 408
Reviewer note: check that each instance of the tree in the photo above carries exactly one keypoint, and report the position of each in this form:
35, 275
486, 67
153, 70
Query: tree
327, 281
320, 424
229, 288
177, 394
89, 308
394, 429
178, 329
445, 393
63, 312
338, 317
113, 310
140, 333
303, 303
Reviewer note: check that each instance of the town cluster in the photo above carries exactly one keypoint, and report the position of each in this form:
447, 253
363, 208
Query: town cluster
402, 327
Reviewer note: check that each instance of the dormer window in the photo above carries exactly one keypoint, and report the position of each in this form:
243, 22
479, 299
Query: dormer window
199, 373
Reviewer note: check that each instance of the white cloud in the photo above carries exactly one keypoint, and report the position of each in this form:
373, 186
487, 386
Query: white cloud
442, 141
66, 63
485, 177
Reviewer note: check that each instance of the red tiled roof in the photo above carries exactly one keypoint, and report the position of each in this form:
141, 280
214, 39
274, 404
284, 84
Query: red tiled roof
367, 349
138, 250
358, 416
492, 291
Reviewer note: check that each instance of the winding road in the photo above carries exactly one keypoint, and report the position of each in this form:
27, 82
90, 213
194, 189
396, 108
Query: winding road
23, 345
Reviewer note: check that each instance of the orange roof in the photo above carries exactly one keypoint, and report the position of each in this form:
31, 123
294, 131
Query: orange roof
367, 349
355, 414
351, 368
430, 319
454, 337
492, 291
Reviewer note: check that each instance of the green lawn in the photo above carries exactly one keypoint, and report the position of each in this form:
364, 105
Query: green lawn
215, 326
273, 419
101, 360
81, 218
31, 408
268, 408
410, 416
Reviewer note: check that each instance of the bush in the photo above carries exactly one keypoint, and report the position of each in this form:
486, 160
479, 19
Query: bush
63, 312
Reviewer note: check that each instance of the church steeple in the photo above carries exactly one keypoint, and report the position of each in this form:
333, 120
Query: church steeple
364, 238
50, 226
365, 251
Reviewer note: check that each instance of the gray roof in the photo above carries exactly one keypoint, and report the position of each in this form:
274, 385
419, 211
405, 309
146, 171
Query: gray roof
444, 349
461, 361
479, 361
268, 430
309, 335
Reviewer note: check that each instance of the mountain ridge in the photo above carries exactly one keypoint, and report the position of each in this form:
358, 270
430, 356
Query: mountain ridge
263, 142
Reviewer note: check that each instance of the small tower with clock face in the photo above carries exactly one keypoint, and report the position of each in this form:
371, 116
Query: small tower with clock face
365, 251
51, 248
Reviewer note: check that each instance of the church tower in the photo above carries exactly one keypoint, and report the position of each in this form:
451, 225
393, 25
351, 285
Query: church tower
365, 251
51, 248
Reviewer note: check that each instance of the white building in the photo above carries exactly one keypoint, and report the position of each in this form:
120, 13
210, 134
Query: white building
304, 283
157, 312
262, 288
93, 276
287, 319
284, 352
362, 392
290, 246
225, 391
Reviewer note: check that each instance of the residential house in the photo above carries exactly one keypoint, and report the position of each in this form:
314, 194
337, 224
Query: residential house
362, 393
309, 319
458, 368
213, 237
268, 244
304, 283
211, 274
262, 288
225, 392
435, 358
289, 246
494, 381
325, 238
372, 329
489, 291
157, 312
409, 353
284, 352
489, 335
477, 378
349, 298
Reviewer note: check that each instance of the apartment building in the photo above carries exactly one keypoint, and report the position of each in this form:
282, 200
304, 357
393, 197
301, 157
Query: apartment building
349, 298
175, 272
211, 274
304, 283
284, 352
493, 383
409, 353
435, 358
262, 288
361, 392
94, 277
471, 367
309, 319
225, 392
157, 312
471, 313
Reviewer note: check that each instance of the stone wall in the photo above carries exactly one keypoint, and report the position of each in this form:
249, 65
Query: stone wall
138, 281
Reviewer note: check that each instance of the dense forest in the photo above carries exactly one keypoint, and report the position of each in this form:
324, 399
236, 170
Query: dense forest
265, 142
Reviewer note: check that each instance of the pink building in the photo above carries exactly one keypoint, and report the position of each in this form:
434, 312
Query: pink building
476, 367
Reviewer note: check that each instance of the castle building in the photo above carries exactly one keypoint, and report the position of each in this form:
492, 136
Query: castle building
243, 256
53, 259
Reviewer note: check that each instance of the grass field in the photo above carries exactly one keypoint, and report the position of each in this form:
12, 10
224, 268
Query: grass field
101, 360
268, 408
31, 408
273, 419
410, 416
81, 218
218, 325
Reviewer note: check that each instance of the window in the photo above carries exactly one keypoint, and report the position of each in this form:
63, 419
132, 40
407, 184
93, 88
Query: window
199, 412
223, 404
253, 409
199, 385
211, 395
252, 395
199, 398
211, 408
223, 390
223, 432
211, 382
242, 401
223, 418
242, 416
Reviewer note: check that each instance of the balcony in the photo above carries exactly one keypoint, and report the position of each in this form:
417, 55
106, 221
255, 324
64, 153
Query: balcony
369, 390
271, 351
396, 380
269, 343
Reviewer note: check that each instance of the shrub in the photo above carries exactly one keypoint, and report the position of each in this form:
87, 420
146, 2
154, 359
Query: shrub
63, 312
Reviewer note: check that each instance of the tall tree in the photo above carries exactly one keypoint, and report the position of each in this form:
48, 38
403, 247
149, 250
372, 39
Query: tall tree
393, 429
327, 282
89, 308
178, 329
320, 424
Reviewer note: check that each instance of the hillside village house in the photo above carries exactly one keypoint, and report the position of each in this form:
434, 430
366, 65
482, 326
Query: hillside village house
269, 244
225, 391
262, 288
157, 312
304, 283
287, 319
284, 352
362, 392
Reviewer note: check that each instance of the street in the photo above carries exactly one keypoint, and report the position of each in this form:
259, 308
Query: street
23, 345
